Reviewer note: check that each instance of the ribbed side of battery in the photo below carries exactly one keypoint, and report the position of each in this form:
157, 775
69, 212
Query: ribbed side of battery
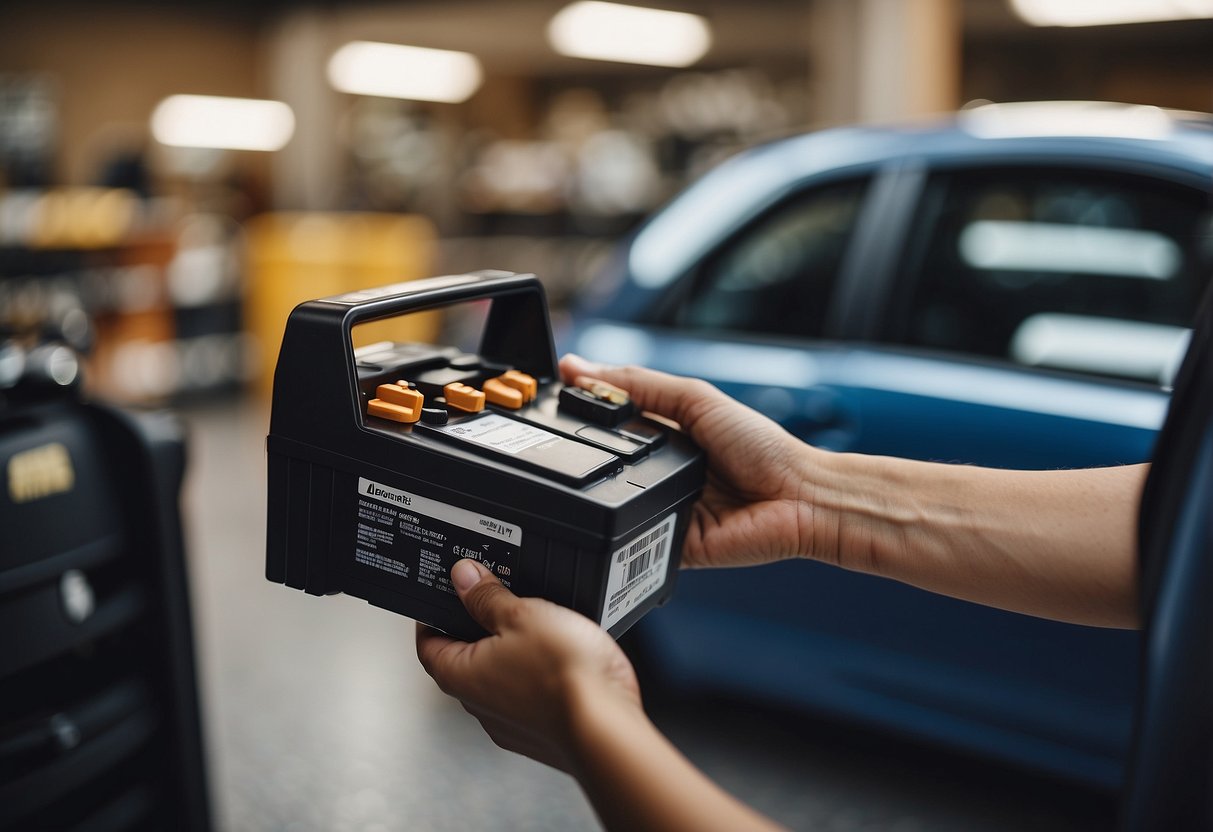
576, 577
299, 524
563, 573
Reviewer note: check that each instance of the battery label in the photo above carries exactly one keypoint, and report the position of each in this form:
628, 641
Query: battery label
469, 520
414, 539
500, 433
638, 570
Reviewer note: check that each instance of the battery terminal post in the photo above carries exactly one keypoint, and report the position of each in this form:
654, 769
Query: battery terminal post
597, 402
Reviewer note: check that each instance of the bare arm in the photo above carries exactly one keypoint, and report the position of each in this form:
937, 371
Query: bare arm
1058, 544
637, 780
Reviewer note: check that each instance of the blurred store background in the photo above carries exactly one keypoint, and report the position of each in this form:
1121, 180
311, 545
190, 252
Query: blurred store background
175, 264
175, 177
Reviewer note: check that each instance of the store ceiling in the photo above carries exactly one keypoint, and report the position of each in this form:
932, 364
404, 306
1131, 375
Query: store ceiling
510, 37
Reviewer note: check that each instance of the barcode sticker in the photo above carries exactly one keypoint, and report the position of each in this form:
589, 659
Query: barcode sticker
636, 567
637, 571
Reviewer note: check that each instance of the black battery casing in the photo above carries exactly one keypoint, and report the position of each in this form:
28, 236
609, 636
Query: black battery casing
589, 517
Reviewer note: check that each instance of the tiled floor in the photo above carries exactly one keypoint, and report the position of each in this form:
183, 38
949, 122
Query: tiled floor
319, 717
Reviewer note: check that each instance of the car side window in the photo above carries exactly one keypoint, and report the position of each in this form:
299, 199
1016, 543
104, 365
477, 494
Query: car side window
1085, 272
777, 274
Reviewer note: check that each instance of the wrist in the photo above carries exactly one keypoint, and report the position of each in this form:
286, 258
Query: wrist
597, 715
636, 779
862, 510
819, 474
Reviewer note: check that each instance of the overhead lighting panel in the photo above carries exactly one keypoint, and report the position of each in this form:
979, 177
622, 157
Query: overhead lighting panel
629, 34
213, 121
1109, 12
392, 70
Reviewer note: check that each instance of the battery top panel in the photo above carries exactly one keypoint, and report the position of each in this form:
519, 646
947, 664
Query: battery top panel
490, 410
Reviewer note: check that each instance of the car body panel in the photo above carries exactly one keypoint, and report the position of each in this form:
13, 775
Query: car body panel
832, 662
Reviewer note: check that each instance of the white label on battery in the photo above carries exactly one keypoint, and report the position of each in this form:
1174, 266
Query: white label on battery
501, 433
479, 523
637, 571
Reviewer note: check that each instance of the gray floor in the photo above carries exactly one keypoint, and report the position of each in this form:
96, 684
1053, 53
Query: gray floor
318, 716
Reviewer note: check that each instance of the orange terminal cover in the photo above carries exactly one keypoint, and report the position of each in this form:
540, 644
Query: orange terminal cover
462, 397
396, 402
498, 392
520, 381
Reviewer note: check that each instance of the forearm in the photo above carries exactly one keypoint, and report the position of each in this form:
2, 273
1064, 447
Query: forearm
637, 780
1058, 544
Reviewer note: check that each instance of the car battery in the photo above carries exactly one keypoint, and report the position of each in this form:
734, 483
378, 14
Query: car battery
389, 463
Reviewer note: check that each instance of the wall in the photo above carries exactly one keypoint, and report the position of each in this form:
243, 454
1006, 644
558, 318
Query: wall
113, 64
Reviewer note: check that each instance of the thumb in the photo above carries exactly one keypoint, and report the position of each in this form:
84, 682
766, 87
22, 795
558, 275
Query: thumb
485, 599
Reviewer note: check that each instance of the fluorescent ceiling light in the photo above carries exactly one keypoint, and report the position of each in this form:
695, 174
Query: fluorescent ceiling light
1107, 12
630, 34
390, 70
225, 123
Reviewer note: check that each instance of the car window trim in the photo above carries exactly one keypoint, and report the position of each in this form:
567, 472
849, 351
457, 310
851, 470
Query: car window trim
867, 271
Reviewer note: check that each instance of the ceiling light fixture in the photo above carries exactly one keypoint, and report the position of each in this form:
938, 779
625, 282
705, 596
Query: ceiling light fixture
1109, 12
629, 34
224, 123
391, 70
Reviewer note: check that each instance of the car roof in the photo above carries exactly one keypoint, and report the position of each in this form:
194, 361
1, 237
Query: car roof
1023, 129
1167, 143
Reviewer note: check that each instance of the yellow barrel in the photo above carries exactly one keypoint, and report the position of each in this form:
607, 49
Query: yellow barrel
298, 256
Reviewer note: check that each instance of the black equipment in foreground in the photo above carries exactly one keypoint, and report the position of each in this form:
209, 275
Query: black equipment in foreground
98, 711
389, 463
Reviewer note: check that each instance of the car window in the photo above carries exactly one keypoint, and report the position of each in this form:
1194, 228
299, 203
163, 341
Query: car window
1082, 272
776, 276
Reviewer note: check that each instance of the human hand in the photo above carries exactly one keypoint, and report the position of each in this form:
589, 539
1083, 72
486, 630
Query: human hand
528, 679
754, 508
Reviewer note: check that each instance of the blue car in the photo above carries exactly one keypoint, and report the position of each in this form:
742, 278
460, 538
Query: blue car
1009, 287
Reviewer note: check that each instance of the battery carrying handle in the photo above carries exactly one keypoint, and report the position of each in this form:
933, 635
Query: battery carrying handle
317, 353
